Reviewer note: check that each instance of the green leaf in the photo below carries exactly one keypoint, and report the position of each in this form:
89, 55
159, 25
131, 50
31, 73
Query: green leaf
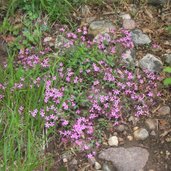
167, 81
167, 69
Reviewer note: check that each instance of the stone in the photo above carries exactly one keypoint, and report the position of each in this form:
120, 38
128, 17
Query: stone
113, 141
92, 160
164, 110
47, 39
139, 38
129, 24
168, 58
85, 11
97, 165
125, 16
129, 57
151, 63
141, 134
100, 26
153, 133
120, 128
158, 2
65, 160
108, 167
133, 119
74, 162
126, 159
60, 41
151, 124
130, 138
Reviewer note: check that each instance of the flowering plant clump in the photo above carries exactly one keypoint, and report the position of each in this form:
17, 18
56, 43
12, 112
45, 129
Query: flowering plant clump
88, 83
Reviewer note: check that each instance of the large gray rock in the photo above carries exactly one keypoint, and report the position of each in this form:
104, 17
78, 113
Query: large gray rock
126, 159
102, 26
139, 38
168, 58
151, 63
158, 2
129, 57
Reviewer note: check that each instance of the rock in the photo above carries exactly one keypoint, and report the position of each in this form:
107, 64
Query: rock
130, 138
164, 110
97, 166
74, 162
151, 124
141, 134
120, 128
102, 26
129, 57
92, 160
126, 159
85, 11
139, 38
47, 39
108, 167
151, 63
113, 141
129, 24
60, 41
168, 58
125, 16
65, 160
153, 133
133, 119
158, 2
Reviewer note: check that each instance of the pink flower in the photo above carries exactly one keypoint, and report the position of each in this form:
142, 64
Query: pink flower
64, 122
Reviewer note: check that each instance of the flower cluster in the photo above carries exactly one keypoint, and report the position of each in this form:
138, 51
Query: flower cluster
82, 90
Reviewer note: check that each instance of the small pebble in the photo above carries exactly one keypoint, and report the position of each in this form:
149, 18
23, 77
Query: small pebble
130, 138
125, 16
92, 160
141, 134
153, 133
120, 128
135, 128
47, 39
74, 162
129, 24
113, 141
97, 166
165, 110
151, 124
65, 160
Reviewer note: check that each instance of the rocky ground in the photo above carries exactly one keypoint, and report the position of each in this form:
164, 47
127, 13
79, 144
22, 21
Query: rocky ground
137, 144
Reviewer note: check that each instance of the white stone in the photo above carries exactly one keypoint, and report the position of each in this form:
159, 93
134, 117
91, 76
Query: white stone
47, 39
125, 16
97, 166
113, 141
65, 160
129, 137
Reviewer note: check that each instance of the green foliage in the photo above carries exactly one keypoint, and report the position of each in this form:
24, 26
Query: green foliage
167, 81
168, 28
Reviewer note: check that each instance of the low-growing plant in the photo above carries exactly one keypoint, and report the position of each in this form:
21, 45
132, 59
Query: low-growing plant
74, 95
167, 81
